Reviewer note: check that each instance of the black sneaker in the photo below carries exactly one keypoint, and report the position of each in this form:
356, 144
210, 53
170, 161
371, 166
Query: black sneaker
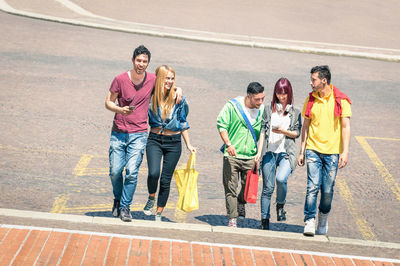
125, 215
280, 212
265, 224
241, 208
115, 208
148, 209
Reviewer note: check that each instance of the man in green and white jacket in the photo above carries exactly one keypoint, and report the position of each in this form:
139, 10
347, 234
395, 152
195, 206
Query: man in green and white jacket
240, 148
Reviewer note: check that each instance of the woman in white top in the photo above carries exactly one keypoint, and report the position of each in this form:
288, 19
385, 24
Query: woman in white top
277, 148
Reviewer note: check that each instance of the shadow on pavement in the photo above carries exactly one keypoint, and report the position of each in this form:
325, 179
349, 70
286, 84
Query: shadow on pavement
213, 220
138, 215
284, 227
222, 220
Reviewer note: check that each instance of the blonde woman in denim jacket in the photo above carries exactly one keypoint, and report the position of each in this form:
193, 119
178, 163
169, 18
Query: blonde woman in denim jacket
168, 123
277, 149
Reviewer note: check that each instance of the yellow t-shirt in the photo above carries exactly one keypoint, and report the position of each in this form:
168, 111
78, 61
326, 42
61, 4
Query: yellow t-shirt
325, 131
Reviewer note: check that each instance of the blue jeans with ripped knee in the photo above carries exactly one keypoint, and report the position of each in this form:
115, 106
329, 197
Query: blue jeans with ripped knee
126, 151
321, 175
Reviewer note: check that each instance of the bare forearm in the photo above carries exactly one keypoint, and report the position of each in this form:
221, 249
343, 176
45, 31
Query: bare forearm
185, 135
260, 142
346, 135
225, 137
229, 147
260, 146
110, 102
304, 136
112, 107
344, 157
290, 134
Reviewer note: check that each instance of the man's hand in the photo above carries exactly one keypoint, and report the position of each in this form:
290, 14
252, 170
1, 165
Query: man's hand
125, 110
344, 157
257, 157
178, 95
300, 159
232, 151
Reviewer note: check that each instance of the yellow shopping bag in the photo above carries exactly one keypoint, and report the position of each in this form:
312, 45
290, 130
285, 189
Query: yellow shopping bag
186, 182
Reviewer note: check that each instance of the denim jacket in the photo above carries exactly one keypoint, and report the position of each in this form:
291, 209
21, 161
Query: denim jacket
178, 120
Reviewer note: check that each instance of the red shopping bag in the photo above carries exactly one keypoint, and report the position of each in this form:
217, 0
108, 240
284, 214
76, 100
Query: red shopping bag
251, 188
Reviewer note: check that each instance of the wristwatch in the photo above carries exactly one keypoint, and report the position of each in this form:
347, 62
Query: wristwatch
228, 145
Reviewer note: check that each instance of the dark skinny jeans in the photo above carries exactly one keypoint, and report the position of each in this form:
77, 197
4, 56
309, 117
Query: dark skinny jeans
159, 146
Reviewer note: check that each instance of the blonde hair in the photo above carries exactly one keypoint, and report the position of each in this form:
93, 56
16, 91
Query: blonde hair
161, 97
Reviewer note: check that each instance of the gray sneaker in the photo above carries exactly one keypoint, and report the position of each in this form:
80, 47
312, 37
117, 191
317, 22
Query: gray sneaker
322, 228
125, 215
158, 217
148, 209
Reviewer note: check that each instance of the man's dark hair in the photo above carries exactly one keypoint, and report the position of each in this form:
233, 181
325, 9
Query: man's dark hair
323, 72
141, 50
255, 88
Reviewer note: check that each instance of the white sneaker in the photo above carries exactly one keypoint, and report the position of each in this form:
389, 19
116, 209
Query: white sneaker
309, 227
158, 217
322, 228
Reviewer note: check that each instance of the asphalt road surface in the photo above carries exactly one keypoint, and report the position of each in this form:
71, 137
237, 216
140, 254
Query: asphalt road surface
55, 130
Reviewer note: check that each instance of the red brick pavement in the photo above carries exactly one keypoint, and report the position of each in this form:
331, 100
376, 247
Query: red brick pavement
42, 246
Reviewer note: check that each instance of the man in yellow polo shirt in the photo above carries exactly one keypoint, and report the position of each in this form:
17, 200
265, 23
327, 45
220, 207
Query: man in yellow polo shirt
325, 140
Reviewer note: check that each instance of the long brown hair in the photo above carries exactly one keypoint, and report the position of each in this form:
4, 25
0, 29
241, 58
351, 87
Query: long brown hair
161, 97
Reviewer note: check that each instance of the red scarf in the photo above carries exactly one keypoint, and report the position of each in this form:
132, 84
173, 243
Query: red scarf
338, 102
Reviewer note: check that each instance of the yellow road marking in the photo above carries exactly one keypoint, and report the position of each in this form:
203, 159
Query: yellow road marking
392, 139
104, 171
8, 147
82, 164
81, 169
59, 204
107, 207
361, 223
379, 164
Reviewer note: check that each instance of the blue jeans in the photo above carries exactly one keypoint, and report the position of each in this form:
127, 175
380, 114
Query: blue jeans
126, 150
321, 174
270, 162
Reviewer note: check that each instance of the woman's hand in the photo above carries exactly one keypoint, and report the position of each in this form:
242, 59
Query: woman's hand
278, 130
191, 148
287, 133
